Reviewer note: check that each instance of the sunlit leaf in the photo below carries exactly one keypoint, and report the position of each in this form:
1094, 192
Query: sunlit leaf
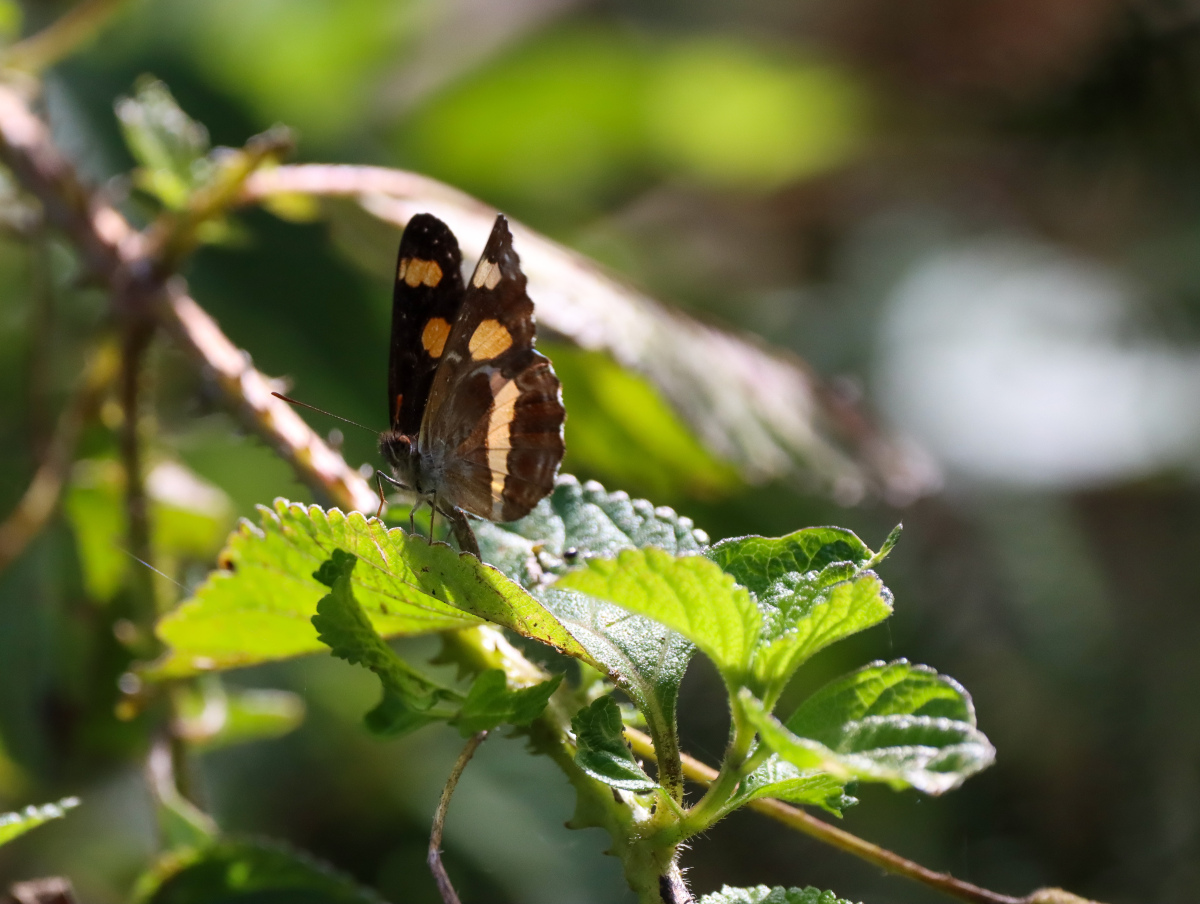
758, 562
641, 656
410, 699
237, 871
256, 608
603, 752
13, 825
928, 753
762, 894
689, 594
806, 615
880, 689
622, 429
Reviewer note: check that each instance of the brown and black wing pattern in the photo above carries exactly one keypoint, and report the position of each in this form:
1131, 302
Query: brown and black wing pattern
496, 404
425, 305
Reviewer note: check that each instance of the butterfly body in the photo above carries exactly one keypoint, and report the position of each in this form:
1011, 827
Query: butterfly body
476, 412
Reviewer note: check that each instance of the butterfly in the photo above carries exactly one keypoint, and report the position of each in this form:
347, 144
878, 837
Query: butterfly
476, 413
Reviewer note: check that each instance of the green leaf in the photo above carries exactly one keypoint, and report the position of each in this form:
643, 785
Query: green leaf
622, 428
257, 608
761, 894
189, 518
690, 594
168, 145
253, 872
409, 697
14, 824
889, 542
602, 750
880, 689
644, 658
490, 703
810, 613
757, 563
928, 753
577, 522
780, 779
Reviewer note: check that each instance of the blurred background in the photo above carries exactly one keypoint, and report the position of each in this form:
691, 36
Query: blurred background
979, 220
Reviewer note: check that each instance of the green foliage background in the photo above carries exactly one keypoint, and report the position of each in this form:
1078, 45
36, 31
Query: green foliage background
741, 161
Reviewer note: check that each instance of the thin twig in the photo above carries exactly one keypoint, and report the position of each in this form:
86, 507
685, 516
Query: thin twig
115, 254
41, 498
439, 820
62, 37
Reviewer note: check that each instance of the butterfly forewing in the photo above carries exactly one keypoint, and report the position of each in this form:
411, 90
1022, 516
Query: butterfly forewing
495, 407
425, 305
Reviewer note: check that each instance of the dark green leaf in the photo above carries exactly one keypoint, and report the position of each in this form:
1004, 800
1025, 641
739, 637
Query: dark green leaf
780, 779
490, 703
13, 825
602, 751
761, 894
924, 752
409, 697
587, 520
689, 594
246, 872
880, 689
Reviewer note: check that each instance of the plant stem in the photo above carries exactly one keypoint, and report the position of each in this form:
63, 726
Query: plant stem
801, 821
41, 498
60, 38
434, 859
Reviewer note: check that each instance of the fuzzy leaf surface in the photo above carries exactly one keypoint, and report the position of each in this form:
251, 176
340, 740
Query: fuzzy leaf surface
757, 563
689, 594
13, 825
602, 750
762, 894
257, 608
808, 787
409, 697
897, 688
490, 703
587, 520
246, 872
929, 753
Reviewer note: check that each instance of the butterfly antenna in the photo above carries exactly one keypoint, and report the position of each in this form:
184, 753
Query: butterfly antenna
280, 395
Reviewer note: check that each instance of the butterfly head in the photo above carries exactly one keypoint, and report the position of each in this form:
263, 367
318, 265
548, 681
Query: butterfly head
400, 452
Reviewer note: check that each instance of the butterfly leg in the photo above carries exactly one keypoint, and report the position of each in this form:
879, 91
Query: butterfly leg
461, 528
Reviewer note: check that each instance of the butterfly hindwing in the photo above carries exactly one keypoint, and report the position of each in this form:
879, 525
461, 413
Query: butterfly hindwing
425, 304
495, 407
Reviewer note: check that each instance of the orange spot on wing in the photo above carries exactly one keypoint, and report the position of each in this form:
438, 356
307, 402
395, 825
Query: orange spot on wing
415, 271
489, 340
434, 336
396, 407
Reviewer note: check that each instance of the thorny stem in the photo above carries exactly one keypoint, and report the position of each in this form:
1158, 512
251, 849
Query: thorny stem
439, 820
107, 243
